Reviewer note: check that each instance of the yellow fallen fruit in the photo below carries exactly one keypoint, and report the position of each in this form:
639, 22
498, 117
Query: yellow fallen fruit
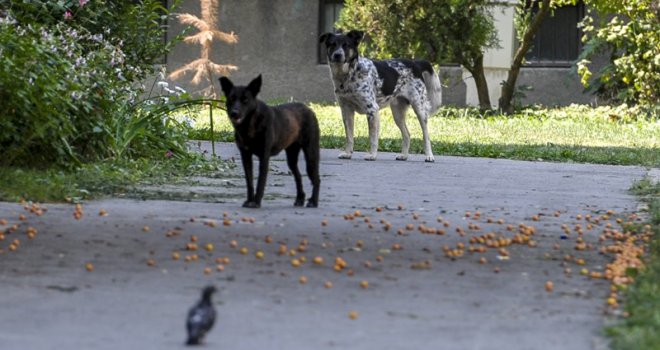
364, 284
295, 262
89, 267
302, 280
146, 228
209, 247
259, 255
327, 284
549, 286
353, 315
244, 251
318, 260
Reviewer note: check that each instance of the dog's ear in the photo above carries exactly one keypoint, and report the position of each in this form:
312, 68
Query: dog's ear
324, 37
226, 85
255, 86
356, 35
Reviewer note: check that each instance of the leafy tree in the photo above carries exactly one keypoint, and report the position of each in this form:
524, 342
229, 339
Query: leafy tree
437, 30
630, 31
527, 24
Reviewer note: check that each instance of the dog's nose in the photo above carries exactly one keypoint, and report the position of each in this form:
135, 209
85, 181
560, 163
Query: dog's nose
336, 56
233, 113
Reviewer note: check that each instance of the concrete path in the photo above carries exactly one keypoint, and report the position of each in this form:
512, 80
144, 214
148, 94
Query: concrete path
417, 297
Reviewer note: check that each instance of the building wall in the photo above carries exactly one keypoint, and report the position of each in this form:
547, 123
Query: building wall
279, 39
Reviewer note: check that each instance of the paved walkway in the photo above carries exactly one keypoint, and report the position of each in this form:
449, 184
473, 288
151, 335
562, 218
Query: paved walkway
417, 297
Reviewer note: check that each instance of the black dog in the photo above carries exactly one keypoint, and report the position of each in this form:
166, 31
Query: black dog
265, 131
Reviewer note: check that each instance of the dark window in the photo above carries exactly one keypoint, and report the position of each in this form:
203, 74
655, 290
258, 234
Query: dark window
557, 42
329, 11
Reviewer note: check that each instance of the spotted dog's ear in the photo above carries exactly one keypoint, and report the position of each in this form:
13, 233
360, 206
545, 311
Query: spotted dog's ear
324, 37
356, 35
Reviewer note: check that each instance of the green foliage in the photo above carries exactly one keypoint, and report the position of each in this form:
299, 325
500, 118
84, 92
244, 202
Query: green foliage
642, 299
630, 31
136, 27
70, 74
437, 30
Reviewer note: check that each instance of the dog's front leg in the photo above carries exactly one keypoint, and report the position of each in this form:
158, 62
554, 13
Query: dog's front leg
374, 130
261, 182
348, 115
246, 159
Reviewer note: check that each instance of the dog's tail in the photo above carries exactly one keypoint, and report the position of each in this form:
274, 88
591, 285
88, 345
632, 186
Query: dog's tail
433, 90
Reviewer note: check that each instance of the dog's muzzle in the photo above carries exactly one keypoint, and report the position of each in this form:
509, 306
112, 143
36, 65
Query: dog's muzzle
337, 56
235, 116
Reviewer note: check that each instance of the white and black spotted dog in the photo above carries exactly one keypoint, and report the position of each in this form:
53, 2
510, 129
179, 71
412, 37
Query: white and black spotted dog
365, 86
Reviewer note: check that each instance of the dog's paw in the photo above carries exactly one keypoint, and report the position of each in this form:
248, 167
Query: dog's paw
370, 157
311, 204
402, 157
251, 204
299, 203
345, 155
429, 159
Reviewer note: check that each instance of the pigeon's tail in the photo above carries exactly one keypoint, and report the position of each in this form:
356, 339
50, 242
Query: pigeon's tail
193, 341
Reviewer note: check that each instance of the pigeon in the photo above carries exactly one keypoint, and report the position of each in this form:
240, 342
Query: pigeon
201, 317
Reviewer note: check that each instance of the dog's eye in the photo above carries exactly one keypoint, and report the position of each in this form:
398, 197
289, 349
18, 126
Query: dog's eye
244, 99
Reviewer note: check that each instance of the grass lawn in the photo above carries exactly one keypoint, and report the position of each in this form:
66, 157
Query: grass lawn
603, 135
99, 179
641, 330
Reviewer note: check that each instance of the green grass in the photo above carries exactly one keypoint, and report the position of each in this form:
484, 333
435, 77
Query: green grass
641, 331
100, 179
605, 135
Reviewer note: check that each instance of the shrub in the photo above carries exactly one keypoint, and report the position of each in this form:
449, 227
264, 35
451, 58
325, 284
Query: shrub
70, 78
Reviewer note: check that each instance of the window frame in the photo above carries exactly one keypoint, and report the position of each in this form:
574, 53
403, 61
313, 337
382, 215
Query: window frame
558, 63
322, 58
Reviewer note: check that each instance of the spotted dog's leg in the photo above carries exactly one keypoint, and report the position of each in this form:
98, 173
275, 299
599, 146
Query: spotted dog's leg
399, 108
422, 116
374, 130
348, 115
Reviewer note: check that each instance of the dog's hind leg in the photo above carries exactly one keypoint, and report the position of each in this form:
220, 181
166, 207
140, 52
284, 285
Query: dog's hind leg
292, 160
422, 116
399, 108
312, 158
374, 130
348, 116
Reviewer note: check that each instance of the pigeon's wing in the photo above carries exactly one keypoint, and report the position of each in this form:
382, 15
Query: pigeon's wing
211, 317
200, 320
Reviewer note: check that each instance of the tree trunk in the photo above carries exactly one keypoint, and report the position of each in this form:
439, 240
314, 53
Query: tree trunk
477, 71
509, 85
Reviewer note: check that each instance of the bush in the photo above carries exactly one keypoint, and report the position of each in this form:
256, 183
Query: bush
70, 79
136, 26
630, 32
